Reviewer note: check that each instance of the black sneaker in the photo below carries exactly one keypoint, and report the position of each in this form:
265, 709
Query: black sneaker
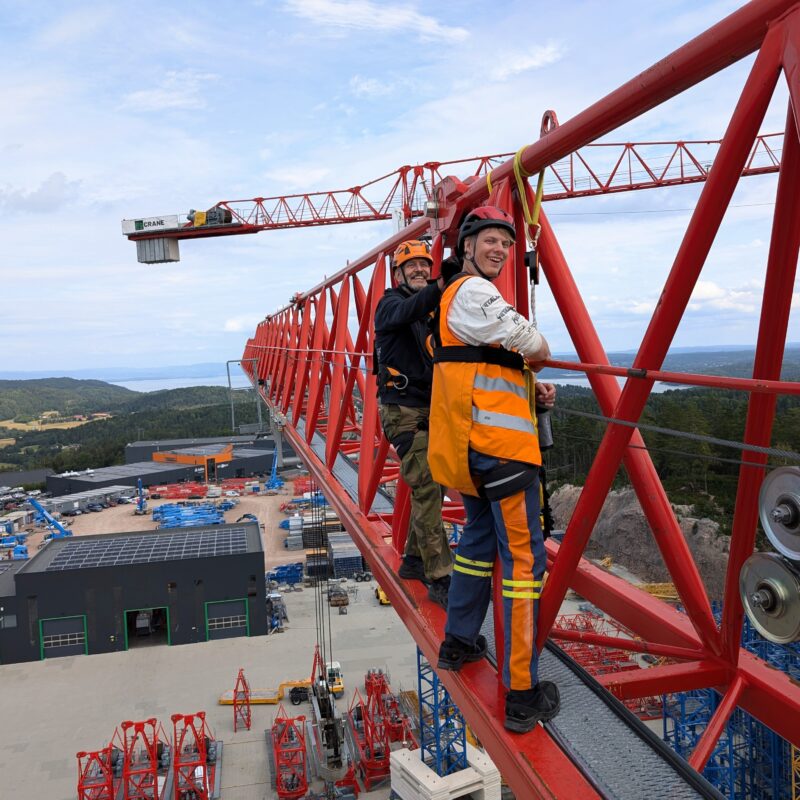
453, 653
412, 569
525, 709
438, 591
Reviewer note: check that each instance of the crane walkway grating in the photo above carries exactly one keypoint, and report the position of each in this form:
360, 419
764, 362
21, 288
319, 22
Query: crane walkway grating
346, 472
619, 755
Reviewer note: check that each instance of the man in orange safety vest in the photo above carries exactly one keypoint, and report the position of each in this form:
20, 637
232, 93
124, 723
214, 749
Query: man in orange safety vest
484, 443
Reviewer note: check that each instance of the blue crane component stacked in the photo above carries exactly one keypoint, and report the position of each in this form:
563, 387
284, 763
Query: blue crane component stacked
750, 760
290, 574
173, 515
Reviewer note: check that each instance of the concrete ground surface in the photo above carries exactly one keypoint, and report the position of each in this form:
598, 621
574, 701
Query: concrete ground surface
53, 709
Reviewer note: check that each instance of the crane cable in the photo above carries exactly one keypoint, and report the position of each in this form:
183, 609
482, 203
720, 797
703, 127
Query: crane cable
323, 626
697, 437
730, 443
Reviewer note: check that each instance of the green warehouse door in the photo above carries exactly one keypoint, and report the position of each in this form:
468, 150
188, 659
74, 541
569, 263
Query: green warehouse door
226, 619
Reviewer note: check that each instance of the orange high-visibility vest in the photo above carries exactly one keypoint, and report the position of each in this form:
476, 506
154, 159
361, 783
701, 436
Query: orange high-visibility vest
481, 399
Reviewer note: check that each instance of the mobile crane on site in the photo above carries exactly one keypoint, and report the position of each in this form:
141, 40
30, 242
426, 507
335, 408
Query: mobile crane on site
57, 530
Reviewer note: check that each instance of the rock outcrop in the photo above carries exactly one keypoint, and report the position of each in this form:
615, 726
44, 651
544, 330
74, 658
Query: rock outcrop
622, 532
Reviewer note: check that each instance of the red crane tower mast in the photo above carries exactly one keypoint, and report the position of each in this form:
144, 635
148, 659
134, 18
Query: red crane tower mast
242, 712
315, 373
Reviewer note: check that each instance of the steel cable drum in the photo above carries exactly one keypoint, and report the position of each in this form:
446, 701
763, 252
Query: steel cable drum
779, 510
770, 589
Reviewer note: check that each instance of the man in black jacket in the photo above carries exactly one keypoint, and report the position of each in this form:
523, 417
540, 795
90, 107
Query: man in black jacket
405, 372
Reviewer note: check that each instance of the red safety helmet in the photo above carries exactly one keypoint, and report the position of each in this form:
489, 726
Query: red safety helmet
412, 248
484, 217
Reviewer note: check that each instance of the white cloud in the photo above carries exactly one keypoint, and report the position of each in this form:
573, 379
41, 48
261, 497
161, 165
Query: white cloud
540, 56
369, 87
52, 194
709, 295
75, 26
370, 16
291, 178
272, 119
178, 89
244, 324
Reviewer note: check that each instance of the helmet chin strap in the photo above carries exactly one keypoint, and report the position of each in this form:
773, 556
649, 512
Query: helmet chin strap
480, 272
402, 269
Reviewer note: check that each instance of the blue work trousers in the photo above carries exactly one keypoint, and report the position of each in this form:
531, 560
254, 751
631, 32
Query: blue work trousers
510, 527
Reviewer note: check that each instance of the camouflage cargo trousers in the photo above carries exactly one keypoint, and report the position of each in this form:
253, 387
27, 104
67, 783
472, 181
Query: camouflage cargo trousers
426, 535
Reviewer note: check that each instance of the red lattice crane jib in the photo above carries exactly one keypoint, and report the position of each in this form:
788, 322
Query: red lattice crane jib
242, 712
312, 362
598, 168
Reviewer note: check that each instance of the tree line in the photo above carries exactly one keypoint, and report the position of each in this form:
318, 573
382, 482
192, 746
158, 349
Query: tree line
693, 470
102, 443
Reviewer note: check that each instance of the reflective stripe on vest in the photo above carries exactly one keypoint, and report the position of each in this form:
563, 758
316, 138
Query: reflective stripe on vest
499, 385
498, 420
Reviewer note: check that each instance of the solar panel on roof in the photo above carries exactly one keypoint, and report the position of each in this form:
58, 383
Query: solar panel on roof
136, 550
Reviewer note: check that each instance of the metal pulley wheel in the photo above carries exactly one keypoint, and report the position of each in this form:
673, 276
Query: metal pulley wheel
770, 590
779, 509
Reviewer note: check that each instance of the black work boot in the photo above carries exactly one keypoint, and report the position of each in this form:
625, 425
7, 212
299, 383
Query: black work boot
525, 709
438, 591
453, 653
413, 569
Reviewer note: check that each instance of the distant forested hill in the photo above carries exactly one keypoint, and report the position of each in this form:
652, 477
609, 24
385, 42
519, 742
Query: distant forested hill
69, 396
65, 395
171, 414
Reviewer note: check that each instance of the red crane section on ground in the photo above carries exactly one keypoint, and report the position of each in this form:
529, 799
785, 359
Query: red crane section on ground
312, 361
242, 712
95, 775
193, 762
141, 747
601, 168
289, 751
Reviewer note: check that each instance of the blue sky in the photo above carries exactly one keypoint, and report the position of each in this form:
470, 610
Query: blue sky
113, 111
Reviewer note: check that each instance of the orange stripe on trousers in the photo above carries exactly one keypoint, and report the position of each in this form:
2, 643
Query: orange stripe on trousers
515, 519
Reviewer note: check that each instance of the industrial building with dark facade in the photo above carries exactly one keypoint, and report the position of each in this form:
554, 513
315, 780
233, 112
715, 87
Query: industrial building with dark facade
100, 594
175, 461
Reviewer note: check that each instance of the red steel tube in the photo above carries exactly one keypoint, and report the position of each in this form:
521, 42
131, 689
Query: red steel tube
708, 741
760, 385
621, 643
665, 679
775, 310
644, 478
691, 256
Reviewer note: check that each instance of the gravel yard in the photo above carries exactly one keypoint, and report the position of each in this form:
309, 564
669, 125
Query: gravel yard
122, 518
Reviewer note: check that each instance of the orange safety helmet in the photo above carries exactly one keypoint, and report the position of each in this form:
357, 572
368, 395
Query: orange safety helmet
413, 248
